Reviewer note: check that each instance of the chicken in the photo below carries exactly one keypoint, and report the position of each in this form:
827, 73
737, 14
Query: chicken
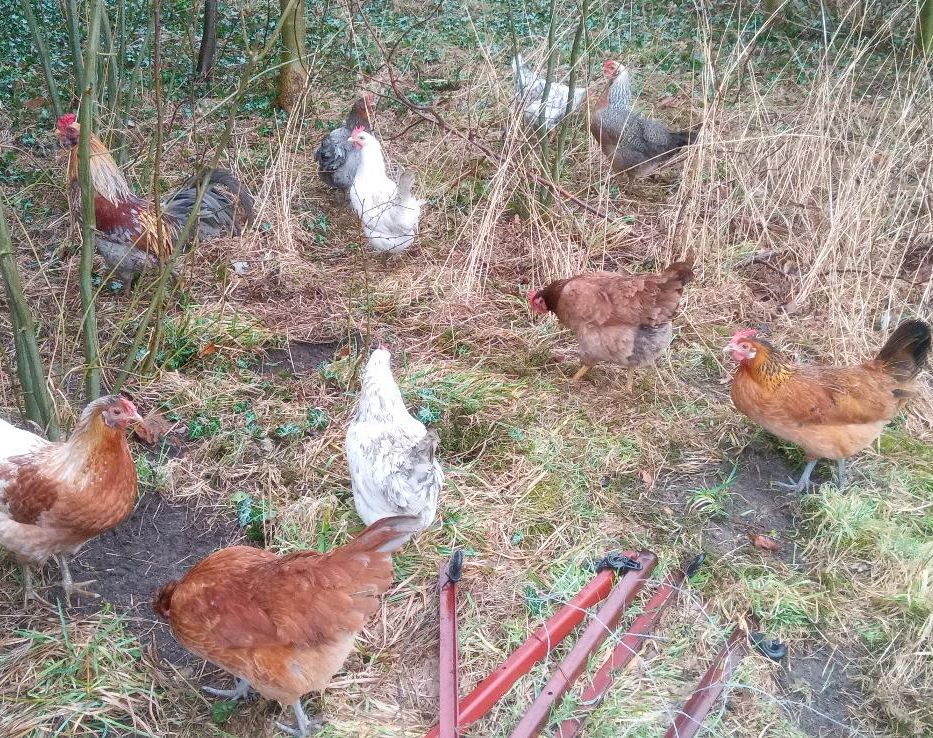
388, 212
128, 234
637, 146
391, 455
529, 93
54, 497
830, 412
283, 625
618, 318
336, 157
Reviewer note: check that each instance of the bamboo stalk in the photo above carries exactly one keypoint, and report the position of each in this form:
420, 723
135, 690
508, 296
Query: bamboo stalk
42, 47
155, 305
88, 240
571, 85
32, 378
925, 27
74, 40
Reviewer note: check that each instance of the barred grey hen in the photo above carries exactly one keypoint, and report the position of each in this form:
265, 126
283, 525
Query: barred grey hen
637, 146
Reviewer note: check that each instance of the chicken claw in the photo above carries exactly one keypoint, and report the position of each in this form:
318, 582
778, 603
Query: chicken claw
581, 372
237, 693
801, 484
30, 589
305, 727
70, 586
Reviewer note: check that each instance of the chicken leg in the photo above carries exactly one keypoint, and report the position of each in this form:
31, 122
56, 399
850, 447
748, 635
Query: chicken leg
804, 480
69, 585
581, 372
237, 693
29, 588
842, 480
630, 382
305, 726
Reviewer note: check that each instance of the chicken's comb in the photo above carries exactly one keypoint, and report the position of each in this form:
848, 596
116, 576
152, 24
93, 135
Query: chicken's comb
68, 119
610, 67
358, 130
744, 334
532, 294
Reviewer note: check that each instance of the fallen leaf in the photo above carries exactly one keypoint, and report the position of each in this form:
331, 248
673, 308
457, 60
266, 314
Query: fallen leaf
760, 540
36, 102
153, 428
647, 478
667, 511
209, 350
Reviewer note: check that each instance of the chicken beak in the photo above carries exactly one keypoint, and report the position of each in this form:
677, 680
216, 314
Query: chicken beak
135, 418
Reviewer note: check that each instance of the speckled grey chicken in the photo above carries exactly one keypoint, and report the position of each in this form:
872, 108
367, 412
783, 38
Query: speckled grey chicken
391, 455
337, 158
637, 146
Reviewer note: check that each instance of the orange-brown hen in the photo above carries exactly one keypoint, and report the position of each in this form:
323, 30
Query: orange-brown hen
622, 319
283, 624
830, 412
54, 497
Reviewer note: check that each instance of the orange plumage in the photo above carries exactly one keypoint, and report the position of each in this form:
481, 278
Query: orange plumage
54, 497
283, 624
830, 412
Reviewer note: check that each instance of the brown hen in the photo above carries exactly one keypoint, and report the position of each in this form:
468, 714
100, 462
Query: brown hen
54, 497
283, 624
830, 412
617, 318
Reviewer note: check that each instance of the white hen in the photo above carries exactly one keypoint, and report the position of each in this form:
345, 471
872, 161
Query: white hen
388, 211
529, 93
15, 441
391, 455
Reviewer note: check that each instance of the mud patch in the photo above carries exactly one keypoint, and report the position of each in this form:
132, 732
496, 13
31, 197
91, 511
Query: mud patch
156, 544
299, 357
822, 691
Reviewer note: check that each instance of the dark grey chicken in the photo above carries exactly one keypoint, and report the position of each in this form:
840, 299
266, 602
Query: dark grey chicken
336, 157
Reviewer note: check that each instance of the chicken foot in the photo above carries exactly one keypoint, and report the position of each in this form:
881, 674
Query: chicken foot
237, 693
69, 585
801, 484
581, 372
842, 480
305, 726
30, 588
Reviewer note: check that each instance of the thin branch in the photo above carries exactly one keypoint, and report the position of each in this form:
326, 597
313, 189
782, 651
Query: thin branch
42, 47
88, 239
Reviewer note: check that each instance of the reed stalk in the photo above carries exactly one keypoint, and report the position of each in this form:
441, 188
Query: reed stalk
38, 36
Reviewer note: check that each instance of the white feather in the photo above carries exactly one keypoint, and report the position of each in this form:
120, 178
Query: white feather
388, 212
15, 441
391, 455
529, 93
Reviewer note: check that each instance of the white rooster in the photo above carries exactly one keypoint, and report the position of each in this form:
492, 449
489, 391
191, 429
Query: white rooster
388, 211
391, 455
529, 91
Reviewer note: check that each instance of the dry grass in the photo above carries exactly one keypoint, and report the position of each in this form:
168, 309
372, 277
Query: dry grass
807, 208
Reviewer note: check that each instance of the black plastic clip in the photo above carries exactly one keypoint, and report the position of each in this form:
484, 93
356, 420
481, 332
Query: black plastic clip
619, 562
694, 566
455, 566
769, 647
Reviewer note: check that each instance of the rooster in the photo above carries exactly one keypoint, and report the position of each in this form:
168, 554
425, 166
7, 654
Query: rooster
388, 212
129, 236
830, 412
622, 319
637, 146
529, 93
54, 497
391, 455
283, 625
336, 157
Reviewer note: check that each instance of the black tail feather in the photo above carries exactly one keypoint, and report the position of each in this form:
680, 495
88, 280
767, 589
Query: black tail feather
905, 353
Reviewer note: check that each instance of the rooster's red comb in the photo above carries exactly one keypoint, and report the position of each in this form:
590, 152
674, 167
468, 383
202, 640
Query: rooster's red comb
610, 67
68, 119
358, 130
532, 294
